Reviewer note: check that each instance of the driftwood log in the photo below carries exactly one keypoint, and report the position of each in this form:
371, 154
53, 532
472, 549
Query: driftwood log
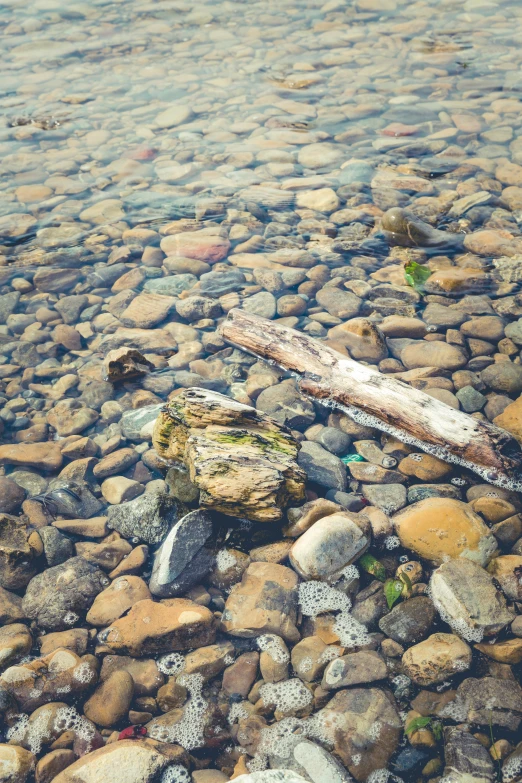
380, 400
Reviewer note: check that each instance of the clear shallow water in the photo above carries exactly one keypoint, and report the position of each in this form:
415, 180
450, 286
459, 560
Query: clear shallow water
85, 91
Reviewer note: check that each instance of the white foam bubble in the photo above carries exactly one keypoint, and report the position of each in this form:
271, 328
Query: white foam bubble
189, 731
274, 646
317, 598
287, 696
350, 631
225, 559
175, 774
171, 664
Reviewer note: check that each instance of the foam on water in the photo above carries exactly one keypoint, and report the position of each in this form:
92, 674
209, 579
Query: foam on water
274, 646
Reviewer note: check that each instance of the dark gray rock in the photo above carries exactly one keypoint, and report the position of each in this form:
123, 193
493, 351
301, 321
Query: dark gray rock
348, 500
70, 307
81, 504
489, 702
321, 466
334, 440
466, 758
57, 547
182, 560
11, 496
423, 491
147, 518
370, 605
8, 303
410, 621
60, 597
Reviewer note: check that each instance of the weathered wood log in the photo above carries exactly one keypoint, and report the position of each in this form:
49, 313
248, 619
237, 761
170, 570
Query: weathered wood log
380, 400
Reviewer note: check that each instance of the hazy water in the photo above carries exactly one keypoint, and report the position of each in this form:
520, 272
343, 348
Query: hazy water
85, 87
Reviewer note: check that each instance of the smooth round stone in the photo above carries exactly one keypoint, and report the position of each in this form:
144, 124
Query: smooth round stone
503, 377
320, 155
434, 354
438, 529
176, 115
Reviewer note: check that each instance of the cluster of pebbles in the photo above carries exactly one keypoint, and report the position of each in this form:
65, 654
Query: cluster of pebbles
162, 164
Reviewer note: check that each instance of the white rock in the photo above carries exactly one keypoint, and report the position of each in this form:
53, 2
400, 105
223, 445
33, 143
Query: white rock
327, 547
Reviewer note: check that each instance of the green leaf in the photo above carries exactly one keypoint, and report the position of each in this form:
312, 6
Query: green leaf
436, 727
416, 275
416, 724
371, 565
393, 590
352, 458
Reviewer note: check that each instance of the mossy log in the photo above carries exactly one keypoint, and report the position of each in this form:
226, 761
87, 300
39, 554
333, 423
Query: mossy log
380, 400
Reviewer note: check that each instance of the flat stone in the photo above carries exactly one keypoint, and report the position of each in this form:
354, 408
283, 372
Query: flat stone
45, 456
440, 528
354, 669
410, 621
118, 598
154, 628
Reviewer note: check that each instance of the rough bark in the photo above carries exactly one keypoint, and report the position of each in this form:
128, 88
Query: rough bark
380, 400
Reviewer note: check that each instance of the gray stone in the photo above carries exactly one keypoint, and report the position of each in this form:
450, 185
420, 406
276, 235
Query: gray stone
172, 285
12, 496
182, 560
322, 467
470, 399
410, 621
264, 304
70, 307
299, 755
348, 500
284, 404
147, 518
82, 504
327, 547
333, 440
388, 497
57, 547
512, 330
220, 283
504, 377
196, 307
422, 491
8, 303
60, 597
133, 421
465, 596
335, 301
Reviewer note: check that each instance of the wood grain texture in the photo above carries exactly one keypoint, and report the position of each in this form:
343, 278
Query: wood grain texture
380, 400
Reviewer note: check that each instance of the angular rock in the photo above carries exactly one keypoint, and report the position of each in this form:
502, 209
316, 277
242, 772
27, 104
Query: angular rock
243, 463
489, 701
124, 364
466, 597
322, 467
328, 547
147, 518
119, 597
16, 764
153, 628
60, 596
19, 548
182, 560
264, 602
410, 621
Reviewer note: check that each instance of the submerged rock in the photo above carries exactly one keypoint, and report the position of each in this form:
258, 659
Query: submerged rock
405, 229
